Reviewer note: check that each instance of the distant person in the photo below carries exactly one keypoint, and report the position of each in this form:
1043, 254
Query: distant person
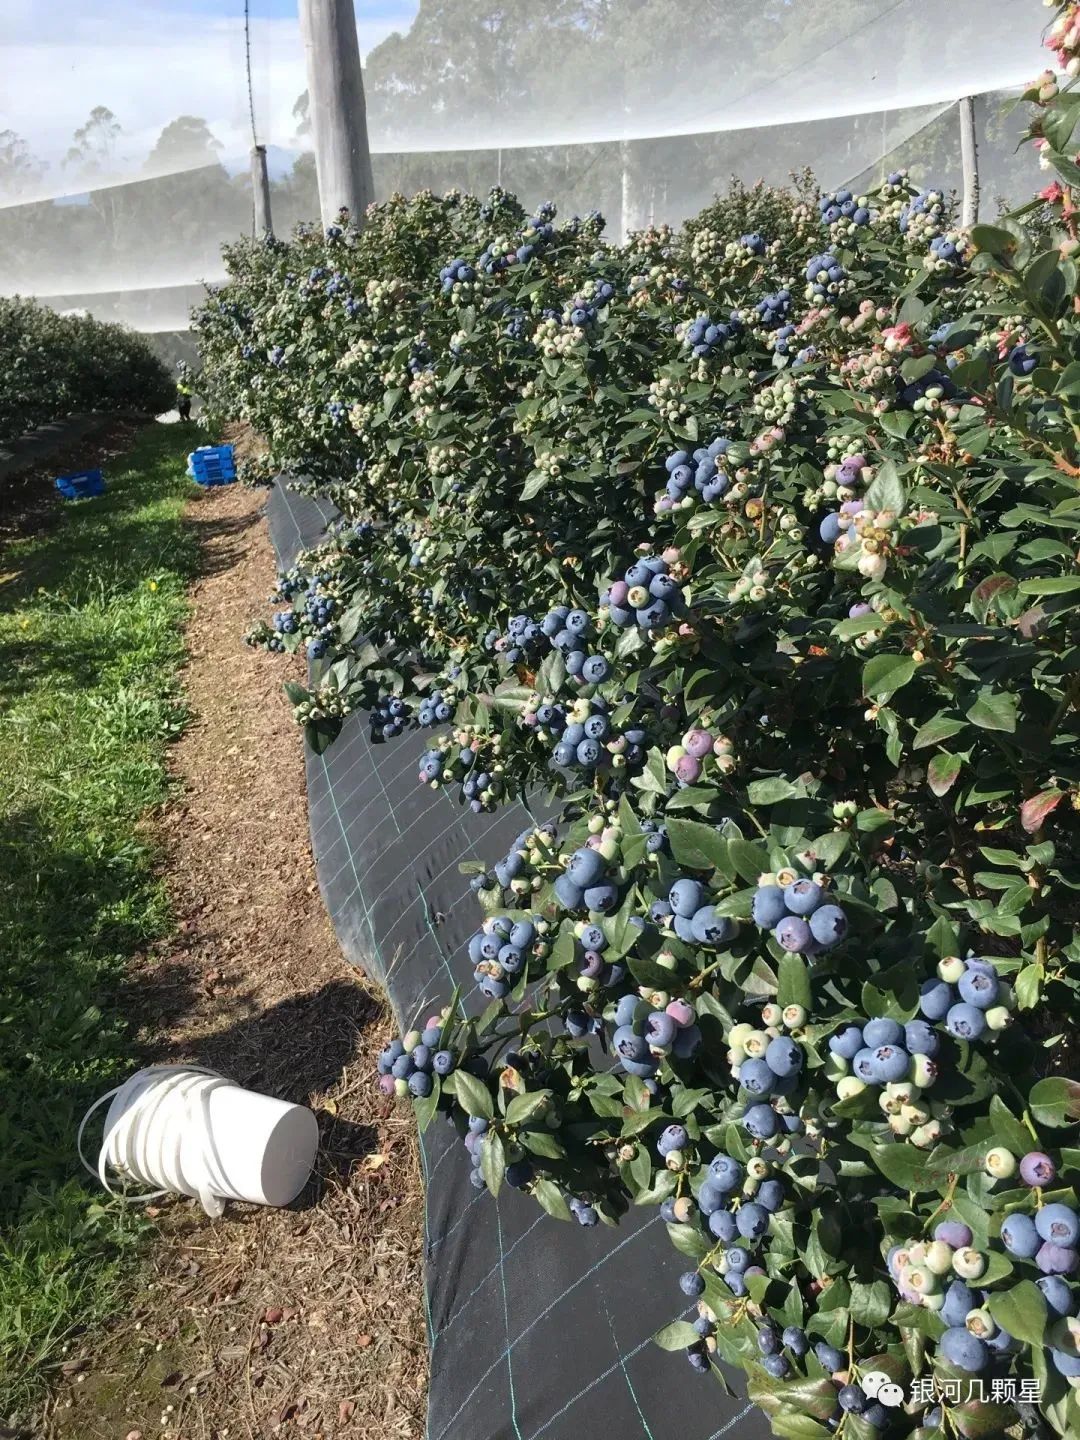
183, 398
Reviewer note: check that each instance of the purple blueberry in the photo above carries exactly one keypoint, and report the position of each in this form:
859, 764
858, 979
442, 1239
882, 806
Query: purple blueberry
794, 935
660, 1030
1056, 1259
1037, 1170
954, 1233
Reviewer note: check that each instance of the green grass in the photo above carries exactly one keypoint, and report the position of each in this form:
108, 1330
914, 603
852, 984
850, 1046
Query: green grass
91, 614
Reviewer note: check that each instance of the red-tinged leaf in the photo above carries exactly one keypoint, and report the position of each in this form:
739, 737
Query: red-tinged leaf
942, 772
1033, 812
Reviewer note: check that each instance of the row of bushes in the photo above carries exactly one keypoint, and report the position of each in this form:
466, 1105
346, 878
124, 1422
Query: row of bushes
58, 365
756, 544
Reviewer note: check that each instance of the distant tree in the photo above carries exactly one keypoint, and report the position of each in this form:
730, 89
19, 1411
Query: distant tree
18, 167
184, 144
93, 144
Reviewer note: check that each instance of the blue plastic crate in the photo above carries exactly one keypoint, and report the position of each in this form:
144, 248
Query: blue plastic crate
81, 485
212, 465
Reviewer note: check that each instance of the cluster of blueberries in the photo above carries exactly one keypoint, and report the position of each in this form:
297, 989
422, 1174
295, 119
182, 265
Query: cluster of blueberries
885, 1052
705, 337
642, 1037
698, 471
500, 953
823, 274
518, 1173
438, 767
517, 324
594, 973
935, 383
647, 596
513, 865
408, 1065
457, 271
583, 884
935, 1274
285, 622
773, 310
832, 525
803, 920
583, 309
942, 247
968, 996
564, 629
928, 203
584, 736
740, 1221
782, 338
688, 911
336, 412
842, 205
754, 243
387, 718
434, 709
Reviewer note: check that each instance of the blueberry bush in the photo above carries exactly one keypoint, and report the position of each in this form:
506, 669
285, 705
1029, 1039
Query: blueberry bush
756, 546
59, 365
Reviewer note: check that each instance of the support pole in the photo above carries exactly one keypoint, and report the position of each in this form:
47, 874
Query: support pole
337, 109
260, 189
969, 152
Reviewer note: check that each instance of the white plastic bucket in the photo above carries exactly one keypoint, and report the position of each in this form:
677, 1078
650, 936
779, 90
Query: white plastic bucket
189, 1131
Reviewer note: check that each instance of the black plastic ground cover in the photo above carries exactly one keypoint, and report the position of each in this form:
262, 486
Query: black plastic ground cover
537, 1328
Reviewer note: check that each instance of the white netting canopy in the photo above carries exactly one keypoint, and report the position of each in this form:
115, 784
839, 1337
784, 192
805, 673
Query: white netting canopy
124, 135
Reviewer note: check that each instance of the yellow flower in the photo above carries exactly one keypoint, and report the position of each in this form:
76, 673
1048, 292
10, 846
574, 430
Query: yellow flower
151, 584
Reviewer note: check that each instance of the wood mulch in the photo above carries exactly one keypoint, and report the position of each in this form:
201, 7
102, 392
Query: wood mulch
308, 1321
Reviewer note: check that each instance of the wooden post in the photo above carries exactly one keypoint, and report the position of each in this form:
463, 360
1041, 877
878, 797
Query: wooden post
260, 189
337, 109
969, 152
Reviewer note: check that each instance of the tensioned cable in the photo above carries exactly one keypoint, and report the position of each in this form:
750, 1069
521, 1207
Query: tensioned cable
247, 57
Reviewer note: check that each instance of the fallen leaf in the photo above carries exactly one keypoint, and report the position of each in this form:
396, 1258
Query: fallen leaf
363, 1341
374, 1162
345, 1411
273, 1315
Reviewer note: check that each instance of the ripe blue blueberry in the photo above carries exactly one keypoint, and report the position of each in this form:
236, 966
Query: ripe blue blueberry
692, 1284
722, 1225
685, 897
761, 1122
964, 1350
1058, 1223
828, 925
847, 1042
757, 1077
882, 1032
725, 1173
936, 998
978, 989
768, 908
959, 1303
783, 1056
673, 1138
802, 897
921, 1039
1061, 1299
965, 1021
832, 1361
752, 1220
709, 928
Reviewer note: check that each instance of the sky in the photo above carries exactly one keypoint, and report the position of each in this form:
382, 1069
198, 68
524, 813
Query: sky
149, 61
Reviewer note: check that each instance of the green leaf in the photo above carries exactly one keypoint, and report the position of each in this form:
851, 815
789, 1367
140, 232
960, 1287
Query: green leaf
679, 1335
794, 982
942, 772
885, 674
750, 860
871, 1303
523, 1107
1021, 1311
689, 1240
473, 1095
886, 492
551, 1198
697, 846
771, 791
940, 728
426, 1108
493, 1160
1055, 1101
995, 710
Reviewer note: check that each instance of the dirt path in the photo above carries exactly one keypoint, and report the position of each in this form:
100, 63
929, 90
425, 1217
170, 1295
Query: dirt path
308, 1321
